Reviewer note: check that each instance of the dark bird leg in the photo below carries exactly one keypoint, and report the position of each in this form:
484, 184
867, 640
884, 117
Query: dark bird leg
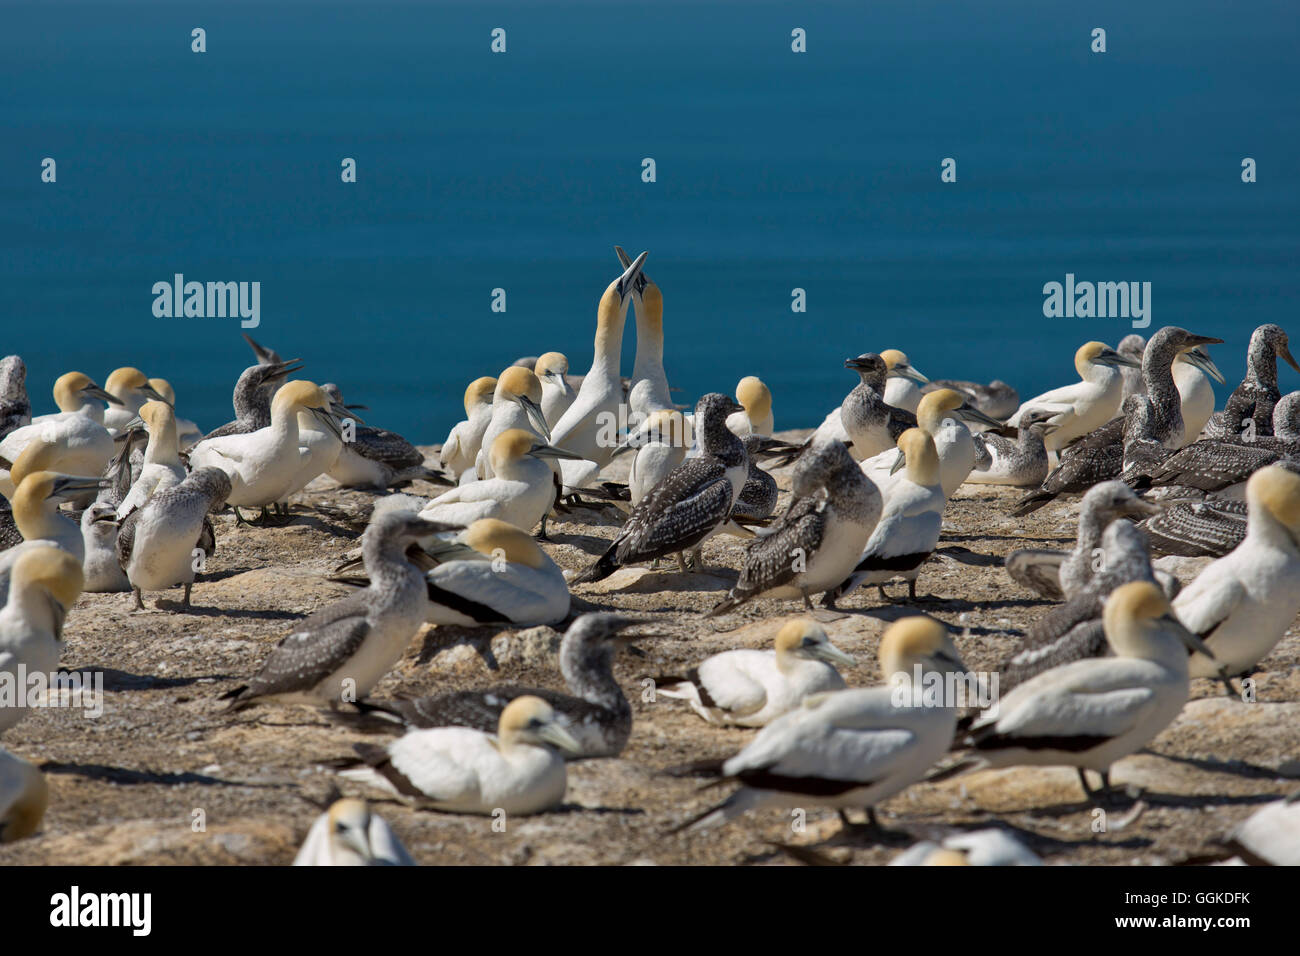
911, 589
139, 602
186, 602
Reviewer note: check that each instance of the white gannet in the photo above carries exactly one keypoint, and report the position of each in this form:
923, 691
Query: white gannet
38, 518
349, 834
552, 370
755, 399
187, 433
1243, 603
344, 649
84, 444
864, 421
131, 388
24, 795
661, 443
819, 538
689, 505
648, 387
461, 448
1258, 392
320, 443
1090, 713
163, 468
1192, 371
157, 543
904, 384
989, 847
44, 583
909, 525
1087, 404
374, 458
750, 688
102, 570
1020, 462
460, 770
15, 408
1271, 835
516, 403
850, 748
591, 425
254, 389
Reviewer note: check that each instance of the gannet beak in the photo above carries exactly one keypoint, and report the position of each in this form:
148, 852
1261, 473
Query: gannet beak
1192, 641
1140, 506
153, 393
110, 516
1193, 340
357, 408
136, 425
559, 738
543, 450
832, 654
1050, 426
1110, 357
284, 368
625, 260
627, 281
326, 418
972, 414
264, 355
94, 391
357, 841
905, 370
1201, 359
899, 462
423, 527
1285, 353
65, 484
344, 411
535, 416
853, 363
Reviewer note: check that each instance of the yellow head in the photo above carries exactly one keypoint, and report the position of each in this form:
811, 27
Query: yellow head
67, 390
530, 720
942, 857
802, 639
511, 445
754, 396
516, 381
164, 388
349, 825
922, 459
39, 455
652, 306
552, 363
479, 392
934, 407
157, 416
1276, 491
494, 538
125, 380
292, 396
25, 813
50, 569
893, 357
1086, 355
917, 640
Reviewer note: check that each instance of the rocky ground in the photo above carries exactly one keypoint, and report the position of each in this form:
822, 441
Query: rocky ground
163, 776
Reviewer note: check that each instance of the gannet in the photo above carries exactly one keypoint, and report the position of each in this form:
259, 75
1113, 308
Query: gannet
863, 418
590, 426
903, 386
462, 446
163, 468
850, 748
349, 834
1020, 462
758, 496
1255, 397
755, 417
552, 369
1061, 574
516, 403
595, 711
520, 491
156, 543
1085, 405
1131, 347
1192, 371
1211, 527
84, 444
187, 433
44, 583
997, 399
38, 518
1271, 835
15, 408
131, 388
343, 650
102, 570
661, 442
820, 537
1242, 604
909, 525
648, 387
254, 390
690, 504
749, 688
320, 443
1090, 713
1208, 465
24, 796
460, 770
263, 465
989, 847
375, 458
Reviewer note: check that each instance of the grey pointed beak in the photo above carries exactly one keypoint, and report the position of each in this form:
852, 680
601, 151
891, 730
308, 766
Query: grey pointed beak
833, 655
625, 260
628, 280
1285, 353
1193, 340
423, 527
326, 418
535, 416
67, 484
1193, 641
558, 737
357, 408
543, 450
136, 425
1201, 359
344, 411
154, 394
899, 462
905, 370
283, 369
94, 391
972, 414
1111, 357
264, 355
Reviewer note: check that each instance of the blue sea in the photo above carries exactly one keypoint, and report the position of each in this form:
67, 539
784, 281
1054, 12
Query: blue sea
775, 170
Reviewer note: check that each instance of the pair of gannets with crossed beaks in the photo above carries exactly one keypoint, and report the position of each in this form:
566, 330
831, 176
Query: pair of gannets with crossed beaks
84, 446
24, 796
848, 748
15, 407
1087, 404
460, 449
351, 834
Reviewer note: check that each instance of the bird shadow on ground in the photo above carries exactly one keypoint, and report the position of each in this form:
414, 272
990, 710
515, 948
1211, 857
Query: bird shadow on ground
572, 808
268, 614
123, 777
1237, 768
444, 637
115, 680
590, 544
977, 559
1018, 538
889, 613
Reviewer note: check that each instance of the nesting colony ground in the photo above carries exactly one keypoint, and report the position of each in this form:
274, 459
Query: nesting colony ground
127, 787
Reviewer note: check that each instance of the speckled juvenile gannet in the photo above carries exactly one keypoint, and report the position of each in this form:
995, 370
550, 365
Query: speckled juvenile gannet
755, 417
1242, 604
904, 384
163, 468
1212, 527
850, 748
156, 544
254, 390
45, 582
1020, 462
467, 771
690, 504
991, 847
660, 443
516, 403
1255, 397
342, 650
349, 834
24, 796
1090, 713
461, 448
375, 458
131, 388
552, 370
15, 408
102, 570
863, 417
84, 444
1087, 404
750, 688
1271, 835
648, 389
595, 711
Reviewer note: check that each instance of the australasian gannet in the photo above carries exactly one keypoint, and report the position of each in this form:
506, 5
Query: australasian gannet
342, 650
648, 390
350, 834
660, 445
516, 403
850, 748
375, 458
158, 544
320, 443
755, 399
1131, 347
264, 355
460, 770
15, 408
1258, 392
690, 504
163, 468
904, 384
187, 433
461, 448
758, 496
997, 399
819, 538
24, 796
552, 370
1211, 527
131, 388
84, 444
991, 847
1271, 835
254, 390
38, 518
1192, 371
1087, 404
751, 688
1020, 462
103, 572
44, 584
863, 418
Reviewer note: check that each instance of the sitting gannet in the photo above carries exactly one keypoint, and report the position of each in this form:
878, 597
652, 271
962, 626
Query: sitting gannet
38, 518
990, 847
648, 389
44, 583
818, 540
24, 795
1212, 527
690, 504
84, 444
1255, 397
320, 443
1242, 604
375, 458
552, 369
1087, 714
1271, 835
1085, 405
850, 748
163, 468
345, 648
758, 496
254, 390
661, 443
516, 403
15, 408
461, 448
460, 770
1192, 371
103, 571
348, 834
131, 388
755, 399
187, 433
863, 418
749, 688
1020, 462
903, 387
159, 544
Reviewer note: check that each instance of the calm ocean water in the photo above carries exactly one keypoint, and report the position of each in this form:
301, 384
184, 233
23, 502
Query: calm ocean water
521, 171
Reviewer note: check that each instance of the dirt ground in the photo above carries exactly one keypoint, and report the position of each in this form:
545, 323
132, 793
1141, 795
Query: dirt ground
163, 776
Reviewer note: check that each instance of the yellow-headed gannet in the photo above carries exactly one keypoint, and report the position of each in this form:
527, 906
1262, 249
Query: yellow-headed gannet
163, 468
552, 370
1255, 397
903, 386
648, 387
1271, 835
254, 390
997, 399
660, 443
517, 403
460, 450
24, 795
1020, 462
1087, 404
131, 388
84, 444
187, 433
15, 408
756, 402
349, 834
375, 458
38, 518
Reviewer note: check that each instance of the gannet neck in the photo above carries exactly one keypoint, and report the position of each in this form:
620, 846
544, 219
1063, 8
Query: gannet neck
922, 458
35, 513
1139, 624
163, 447
649, 362
610, 317
587, 667
494, 538
1273, 508
42, 575
934, 407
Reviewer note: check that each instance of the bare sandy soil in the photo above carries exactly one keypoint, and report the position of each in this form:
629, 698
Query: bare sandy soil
132, 786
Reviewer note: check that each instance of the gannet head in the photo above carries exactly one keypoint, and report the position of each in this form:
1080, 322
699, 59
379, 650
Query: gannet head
667, 426
130, 384
24, 814
935, 406
802, 639
613, 303
40, 454
1132, 346
1098, 353
1171, 340
164, 389
871, 368
399, 527
271, 376
916, 450
818, 464
603, 630
643, 283
899, 367
72, 390
755, 396
552, 367
521, 385
1109, 500
1198, 357
479, 392
917, 640
349, 827
99, 520
51, 570
1286, 417
944, 857
1276, 492
157, 416
494, 538
711, 413
1040, 421
304, 396
1139, 622
1274, 337
42, 490
530, 720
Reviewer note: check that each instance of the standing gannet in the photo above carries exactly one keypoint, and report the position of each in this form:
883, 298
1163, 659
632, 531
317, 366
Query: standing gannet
263, 465
349, 834
131, 388
84, 444
1242, 604
375, 458
24, 796
904, 384
460, 770
820, 537
15, 408
1131, 347
344, 649
38, 518
158, 544
1271, 835
1192, 371
851, 748
163, 468
590, 427
552, 371
690, 504
648, 387
749, 688
44, 584
909, 525
661, 443
1090, 713
516, 403
100, 566
1087, 404
187, 433
863, 420
254, 390
755, 399
320, 443
595, 712
1255, 397
461, 448
1020, 462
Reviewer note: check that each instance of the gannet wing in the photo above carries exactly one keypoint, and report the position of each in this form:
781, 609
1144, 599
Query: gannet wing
1047, 712
323, 643
725, 680
769, 557
315, 848
1209, 601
